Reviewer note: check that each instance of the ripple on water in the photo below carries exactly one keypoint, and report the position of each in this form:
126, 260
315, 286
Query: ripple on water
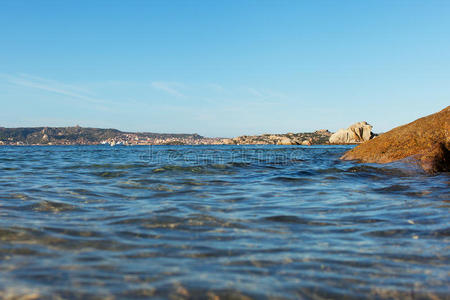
392, 188
297, 220
52, 206
111, 174
218, 222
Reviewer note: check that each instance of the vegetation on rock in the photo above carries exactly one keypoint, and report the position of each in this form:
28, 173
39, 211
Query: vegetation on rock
309, 138
89, 136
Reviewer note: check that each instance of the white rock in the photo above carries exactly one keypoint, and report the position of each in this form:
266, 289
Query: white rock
356, 133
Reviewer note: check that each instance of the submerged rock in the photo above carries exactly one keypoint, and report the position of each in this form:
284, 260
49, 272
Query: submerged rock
356, 133
425, 141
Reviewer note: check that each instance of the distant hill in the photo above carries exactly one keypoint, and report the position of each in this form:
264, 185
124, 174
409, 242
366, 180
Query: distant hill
77, 135
84, 136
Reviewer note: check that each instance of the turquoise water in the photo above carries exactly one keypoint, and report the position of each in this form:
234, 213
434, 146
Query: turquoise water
219, 222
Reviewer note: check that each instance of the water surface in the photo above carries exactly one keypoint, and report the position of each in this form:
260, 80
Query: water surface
219, 222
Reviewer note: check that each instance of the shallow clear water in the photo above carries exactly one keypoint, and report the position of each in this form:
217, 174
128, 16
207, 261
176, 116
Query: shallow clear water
218, 222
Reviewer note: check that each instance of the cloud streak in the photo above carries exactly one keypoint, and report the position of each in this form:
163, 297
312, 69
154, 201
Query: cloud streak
52, 86
172, 88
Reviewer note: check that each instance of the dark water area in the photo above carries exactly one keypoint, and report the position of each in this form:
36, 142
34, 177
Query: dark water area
219, 222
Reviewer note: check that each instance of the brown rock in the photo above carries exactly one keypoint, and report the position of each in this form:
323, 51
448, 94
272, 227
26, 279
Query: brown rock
436, 159
425, 141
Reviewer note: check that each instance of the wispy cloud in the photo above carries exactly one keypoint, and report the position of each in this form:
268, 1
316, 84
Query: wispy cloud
266, 94
255, 92
171, 88
216, 87
52, 86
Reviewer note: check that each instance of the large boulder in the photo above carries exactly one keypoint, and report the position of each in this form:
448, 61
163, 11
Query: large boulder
285, 141
425, 141
356, 133
323, 132
228, 142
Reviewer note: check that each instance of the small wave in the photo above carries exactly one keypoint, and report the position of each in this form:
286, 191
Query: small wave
291, 179
109, 166
74, 232
392, 188
391, 233
160, 187
306, 173
52, 206
196, 169
20, 196
296, 220
445, 232
239, 164
194, 222
110, 174
10, 169
389, 170
83, 193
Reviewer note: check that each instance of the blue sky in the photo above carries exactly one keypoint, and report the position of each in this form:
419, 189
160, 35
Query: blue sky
223, 68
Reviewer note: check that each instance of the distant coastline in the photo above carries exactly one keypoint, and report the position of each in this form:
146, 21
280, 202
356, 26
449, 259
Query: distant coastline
76, 135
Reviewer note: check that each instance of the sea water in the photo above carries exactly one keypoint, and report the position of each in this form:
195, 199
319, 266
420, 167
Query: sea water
218, 222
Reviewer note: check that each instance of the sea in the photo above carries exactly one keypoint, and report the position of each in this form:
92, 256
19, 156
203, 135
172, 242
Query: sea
219, 222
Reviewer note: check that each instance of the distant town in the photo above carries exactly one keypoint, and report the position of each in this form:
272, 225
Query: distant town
77, 135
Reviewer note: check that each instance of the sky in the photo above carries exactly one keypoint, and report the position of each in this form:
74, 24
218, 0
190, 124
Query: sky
223, 68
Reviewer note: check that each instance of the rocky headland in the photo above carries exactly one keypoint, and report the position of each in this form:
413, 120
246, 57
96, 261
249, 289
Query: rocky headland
309, 138
426, 142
